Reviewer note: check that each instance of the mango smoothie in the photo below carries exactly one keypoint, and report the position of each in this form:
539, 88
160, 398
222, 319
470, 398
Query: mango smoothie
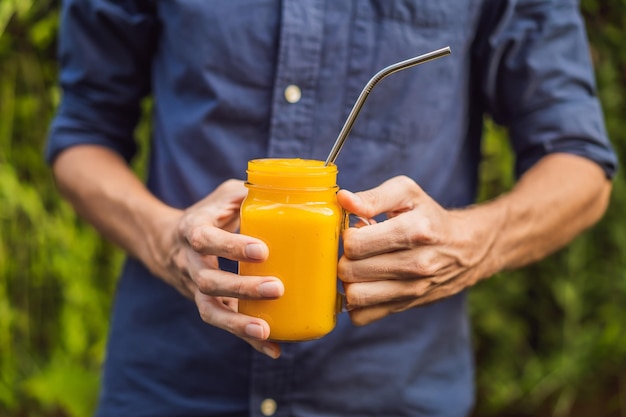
291, 206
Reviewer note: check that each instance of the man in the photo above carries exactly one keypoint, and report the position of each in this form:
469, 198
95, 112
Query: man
238, 80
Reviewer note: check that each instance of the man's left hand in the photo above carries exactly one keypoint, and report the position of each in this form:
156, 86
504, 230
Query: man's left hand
420, 254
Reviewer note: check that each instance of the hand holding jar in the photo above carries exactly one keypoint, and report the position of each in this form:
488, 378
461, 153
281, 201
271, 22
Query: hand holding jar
420, 254
204, 232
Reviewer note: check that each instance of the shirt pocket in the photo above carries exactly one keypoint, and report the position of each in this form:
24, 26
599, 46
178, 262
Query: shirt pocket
412, 104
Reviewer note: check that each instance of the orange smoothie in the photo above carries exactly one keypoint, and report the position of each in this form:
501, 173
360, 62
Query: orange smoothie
292, 206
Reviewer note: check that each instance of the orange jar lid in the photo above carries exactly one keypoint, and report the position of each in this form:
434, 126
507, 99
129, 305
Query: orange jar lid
291, 173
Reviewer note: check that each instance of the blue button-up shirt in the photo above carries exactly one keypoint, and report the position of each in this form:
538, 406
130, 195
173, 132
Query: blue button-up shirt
218, 72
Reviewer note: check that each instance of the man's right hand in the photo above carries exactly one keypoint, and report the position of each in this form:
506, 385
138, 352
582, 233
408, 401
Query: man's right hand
180, 247
195, 240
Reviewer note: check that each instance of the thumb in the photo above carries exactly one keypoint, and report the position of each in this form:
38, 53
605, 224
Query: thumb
394, 196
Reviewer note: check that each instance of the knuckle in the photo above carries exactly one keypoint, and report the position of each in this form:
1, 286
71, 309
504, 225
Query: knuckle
196, 239
404, 180
408, 184
417, 232
344, 270
354, 297
210, 313
409, 233
358, 320
404, 305
240, 288
206, 313
230, 185
230, 249
428, 230
422, 265
420, 288
407, 236
230, 325
371, 197
206, 285
351, 243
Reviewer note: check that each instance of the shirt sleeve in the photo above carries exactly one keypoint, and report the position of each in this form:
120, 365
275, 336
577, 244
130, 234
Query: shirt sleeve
105, 51
539, 82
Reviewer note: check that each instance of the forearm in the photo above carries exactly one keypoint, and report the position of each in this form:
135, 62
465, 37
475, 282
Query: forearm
553, 202
107, 194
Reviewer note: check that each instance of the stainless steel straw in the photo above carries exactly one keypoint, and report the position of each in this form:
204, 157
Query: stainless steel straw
345, 130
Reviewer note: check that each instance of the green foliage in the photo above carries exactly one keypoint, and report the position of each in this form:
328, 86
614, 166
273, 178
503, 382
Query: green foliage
57, 275
550, 339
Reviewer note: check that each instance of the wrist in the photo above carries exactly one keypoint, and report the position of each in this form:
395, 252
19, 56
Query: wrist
160, 231
485, 222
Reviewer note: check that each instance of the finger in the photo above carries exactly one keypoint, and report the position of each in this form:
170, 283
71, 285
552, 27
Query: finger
368, 294
208, 240
365, 294
372, 311
395, 195
406, 231
270, 349
399, 265
251, 329
230, 191
218, 283
231, 225
363, 242
220, 208
366, 315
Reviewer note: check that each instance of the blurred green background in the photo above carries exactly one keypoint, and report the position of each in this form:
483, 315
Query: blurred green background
550, 339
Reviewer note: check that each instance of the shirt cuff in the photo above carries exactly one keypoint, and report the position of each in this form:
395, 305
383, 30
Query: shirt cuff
567, 127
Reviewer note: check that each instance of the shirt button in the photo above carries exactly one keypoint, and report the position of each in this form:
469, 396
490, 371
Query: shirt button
268, 407
293, 93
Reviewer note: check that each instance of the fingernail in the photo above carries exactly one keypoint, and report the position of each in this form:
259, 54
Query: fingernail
255, 251
270, 289
254, 330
